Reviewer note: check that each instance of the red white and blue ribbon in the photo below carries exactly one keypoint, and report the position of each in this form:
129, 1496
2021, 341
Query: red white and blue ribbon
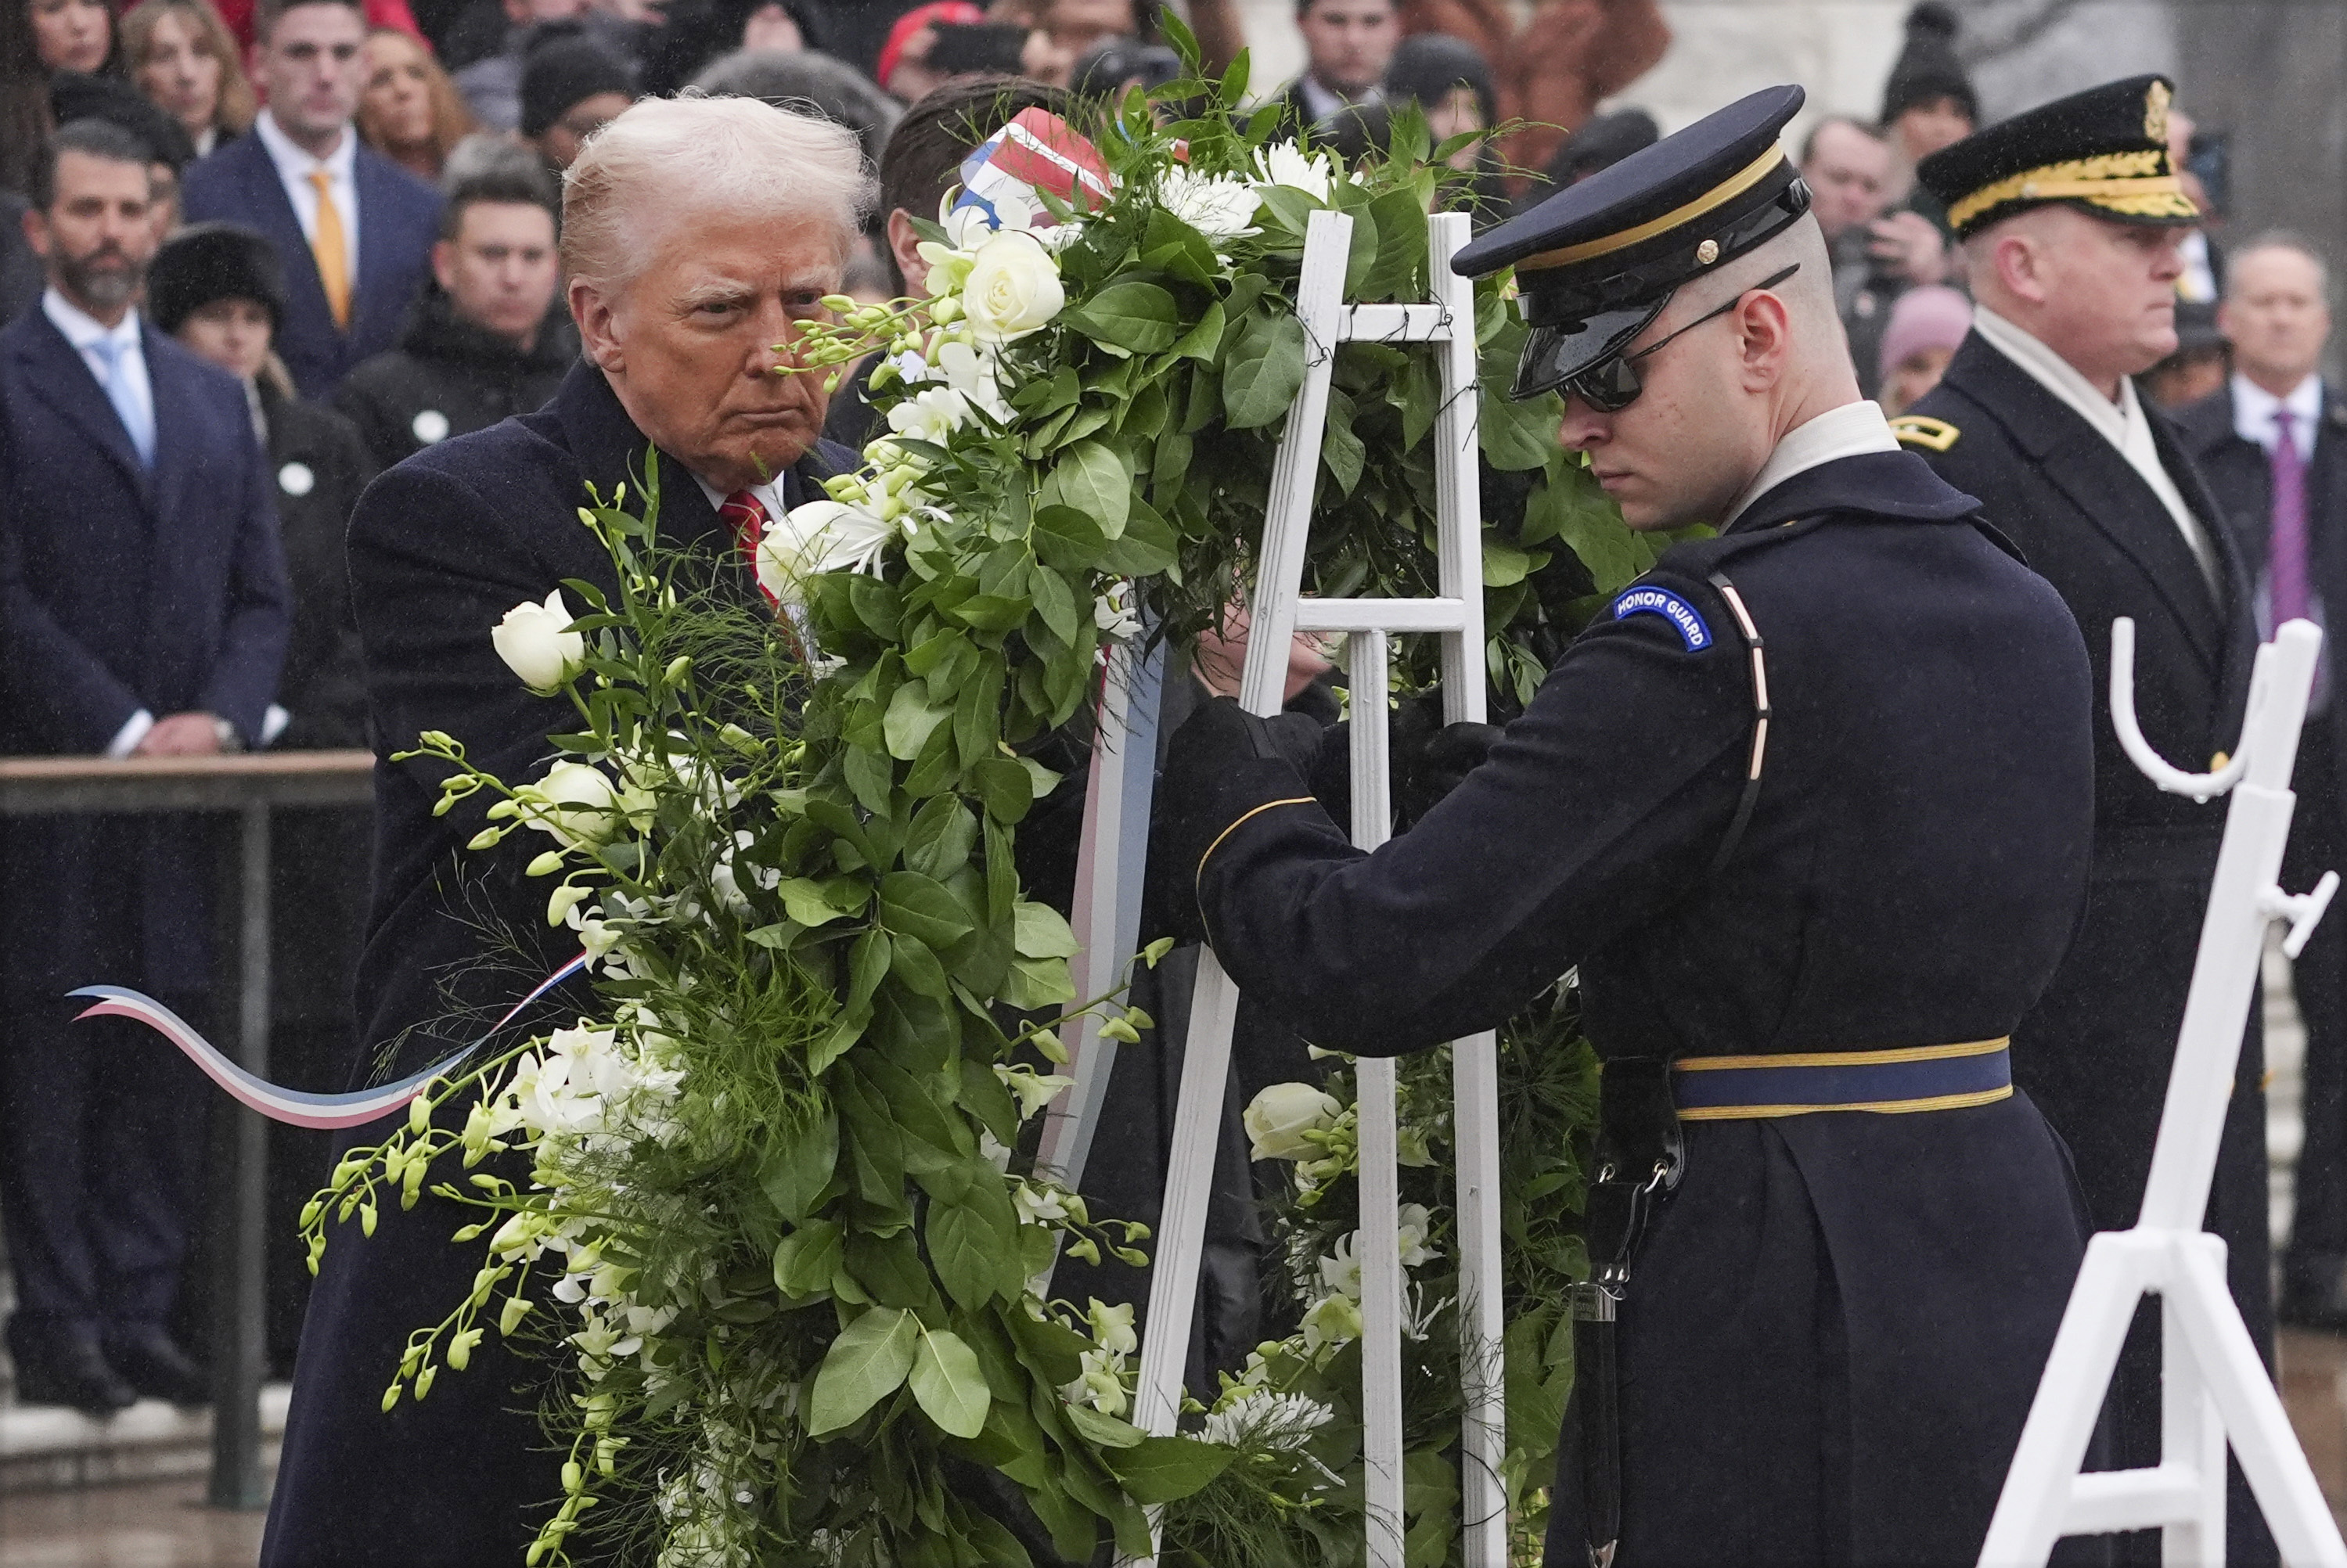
1036, 152
294, 1107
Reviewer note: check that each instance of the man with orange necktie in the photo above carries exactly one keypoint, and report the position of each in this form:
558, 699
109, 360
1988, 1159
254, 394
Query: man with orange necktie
353, 230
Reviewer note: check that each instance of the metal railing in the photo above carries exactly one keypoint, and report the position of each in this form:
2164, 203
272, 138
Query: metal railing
249, 789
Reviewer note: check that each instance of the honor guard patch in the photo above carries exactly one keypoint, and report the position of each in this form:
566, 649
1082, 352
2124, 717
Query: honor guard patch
1922, 430
1683, 617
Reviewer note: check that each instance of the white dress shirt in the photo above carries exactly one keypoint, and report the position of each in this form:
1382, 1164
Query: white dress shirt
2254, 409
770, 495
1850, 431
294, 169
2122, 424
86, 335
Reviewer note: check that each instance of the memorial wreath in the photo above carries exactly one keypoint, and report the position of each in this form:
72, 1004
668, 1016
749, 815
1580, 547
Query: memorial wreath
766, 1202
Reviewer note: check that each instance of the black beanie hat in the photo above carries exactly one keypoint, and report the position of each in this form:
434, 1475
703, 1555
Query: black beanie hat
209, 261
73, 97
563, 73
1928, 67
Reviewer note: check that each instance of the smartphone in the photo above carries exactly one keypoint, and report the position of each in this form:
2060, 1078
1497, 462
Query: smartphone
968, 48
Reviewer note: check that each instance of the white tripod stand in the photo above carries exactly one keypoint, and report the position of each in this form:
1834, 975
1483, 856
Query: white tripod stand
2214, 1387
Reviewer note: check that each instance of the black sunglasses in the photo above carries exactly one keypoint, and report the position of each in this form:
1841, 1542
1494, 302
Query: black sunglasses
1614, 385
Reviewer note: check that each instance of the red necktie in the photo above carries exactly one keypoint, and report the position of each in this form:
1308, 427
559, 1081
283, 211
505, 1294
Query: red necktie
746, 516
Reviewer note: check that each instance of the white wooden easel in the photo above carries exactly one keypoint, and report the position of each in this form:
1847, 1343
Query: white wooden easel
2214, 1385
1277, 612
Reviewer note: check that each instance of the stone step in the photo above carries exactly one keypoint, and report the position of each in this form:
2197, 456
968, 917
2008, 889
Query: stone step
46, 1447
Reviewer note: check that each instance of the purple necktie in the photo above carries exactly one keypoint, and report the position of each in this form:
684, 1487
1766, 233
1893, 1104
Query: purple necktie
2287, 554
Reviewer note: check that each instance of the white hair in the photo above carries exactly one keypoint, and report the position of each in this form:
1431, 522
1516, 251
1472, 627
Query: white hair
692, 151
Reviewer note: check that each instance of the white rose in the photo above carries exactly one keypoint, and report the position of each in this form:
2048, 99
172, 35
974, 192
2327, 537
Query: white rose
1280, 1116
537, 644
576, 804
1215, 205
931, 415
1284, 163
1013, 287
819, 537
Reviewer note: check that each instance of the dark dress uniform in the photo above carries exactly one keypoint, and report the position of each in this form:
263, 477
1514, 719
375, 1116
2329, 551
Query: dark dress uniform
1837, 1324
1808, 896
2097, 1050
441, 546
2240, 477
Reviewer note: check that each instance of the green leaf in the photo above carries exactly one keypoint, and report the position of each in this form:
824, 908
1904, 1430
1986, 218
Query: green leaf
1138, 316
984, 1097
1148, 545
939, 842
1055, 602
1504, 565
805, 1260
1361, 256
889, 1269
1042, 934
991, 613
1004, 787
1091, 478
1264, 371
1201, 341
1067, 538
920, 906
1038, 983
946, 1381
1166, 1470
1341, 450
1106, 1431
800, 1165
868, 967
868, 1362
805, 901
968, 1250
870, 777
911, 717
912, 964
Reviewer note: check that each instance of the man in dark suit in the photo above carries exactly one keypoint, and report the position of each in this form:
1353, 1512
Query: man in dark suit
2039, 417
1347, 45
681, 297
353, 230
142, 612
2274, 445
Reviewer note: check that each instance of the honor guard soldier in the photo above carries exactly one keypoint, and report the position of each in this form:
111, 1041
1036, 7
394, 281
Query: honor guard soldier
1810, 808
2071, 218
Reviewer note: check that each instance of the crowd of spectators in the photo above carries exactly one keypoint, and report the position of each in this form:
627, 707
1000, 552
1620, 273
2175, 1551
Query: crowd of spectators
337, 220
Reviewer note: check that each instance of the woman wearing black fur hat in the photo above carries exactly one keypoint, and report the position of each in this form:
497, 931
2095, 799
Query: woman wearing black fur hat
218, 288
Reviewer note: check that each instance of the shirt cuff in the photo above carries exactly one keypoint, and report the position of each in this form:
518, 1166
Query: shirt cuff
125, 740
273, 724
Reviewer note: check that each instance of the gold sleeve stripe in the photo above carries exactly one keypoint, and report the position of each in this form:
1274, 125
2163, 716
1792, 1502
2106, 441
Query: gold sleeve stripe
1843, 1058
1718, 195
1242, 822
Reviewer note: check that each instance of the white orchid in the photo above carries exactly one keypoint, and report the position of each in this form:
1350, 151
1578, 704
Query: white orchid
1340, 1270
972, 371
931, 415
1219, 206
1100, 1384
1285, 163
1414, 1224
817, 538
536, 643
1111, 1327
1034, 1089
1334, 1319
1114, 611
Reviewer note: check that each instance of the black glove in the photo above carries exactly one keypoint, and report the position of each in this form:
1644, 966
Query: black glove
1437, 763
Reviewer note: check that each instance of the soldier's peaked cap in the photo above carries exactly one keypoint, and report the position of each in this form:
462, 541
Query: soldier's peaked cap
1599, 259
2104, 150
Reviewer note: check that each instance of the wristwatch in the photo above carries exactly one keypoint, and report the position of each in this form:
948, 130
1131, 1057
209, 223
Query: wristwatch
227, 735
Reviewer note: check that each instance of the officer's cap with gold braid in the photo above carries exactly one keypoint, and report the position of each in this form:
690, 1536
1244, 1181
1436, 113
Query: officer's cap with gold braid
2104, 150
1598, 261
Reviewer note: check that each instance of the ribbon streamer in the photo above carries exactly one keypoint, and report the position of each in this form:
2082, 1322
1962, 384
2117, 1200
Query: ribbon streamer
294, 1107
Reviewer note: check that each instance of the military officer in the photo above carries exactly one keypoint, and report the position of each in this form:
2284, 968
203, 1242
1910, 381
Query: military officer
2071, 217
1810, 808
